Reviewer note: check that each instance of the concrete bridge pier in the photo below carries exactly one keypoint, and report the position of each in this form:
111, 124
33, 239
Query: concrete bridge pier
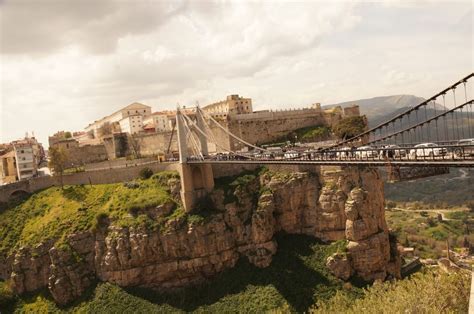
196, 180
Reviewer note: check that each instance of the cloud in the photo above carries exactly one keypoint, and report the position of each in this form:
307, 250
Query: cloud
65, 64
41, 27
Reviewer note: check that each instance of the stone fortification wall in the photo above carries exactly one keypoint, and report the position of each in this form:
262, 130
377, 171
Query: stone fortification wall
278, 114
82, 155
267, 130
118, 163
153, 144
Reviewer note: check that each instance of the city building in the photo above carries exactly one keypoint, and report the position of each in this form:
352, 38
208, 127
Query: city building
160, 120
19, 160
8, 171
129, 120
26, 163
233, 104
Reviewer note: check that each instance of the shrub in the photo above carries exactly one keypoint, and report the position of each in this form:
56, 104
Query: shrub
164, 176
6, 295
101, 220
349, 127
131, 185
145, 173
430, 292
391, 205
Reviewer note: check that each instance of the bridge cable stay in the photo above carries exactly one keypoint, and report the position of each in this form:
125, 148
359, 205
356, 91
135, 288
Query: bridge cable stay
469, 110
436, 121
218, 145
195, 145
429, 120
229, 133
171, 138
401, 115
445, 119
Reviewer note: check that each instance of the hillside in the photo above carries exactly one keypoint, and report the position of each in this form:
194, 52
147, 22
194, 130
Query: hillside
378, 107
453, 189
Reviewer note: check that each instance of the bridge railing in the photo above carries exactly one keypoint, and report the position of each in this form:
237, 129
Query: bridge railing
432, 153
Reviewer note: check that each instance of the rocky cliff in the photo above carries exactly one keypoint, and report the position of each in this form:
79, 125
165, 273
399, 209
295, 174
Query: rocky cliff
329, 204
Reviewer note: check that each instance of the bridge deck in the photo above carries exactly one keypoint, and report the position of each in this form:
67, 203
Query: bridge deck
404, 163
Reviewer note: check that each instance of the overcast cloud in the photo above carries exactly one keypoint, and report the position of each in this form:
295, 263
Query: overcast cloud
66, 63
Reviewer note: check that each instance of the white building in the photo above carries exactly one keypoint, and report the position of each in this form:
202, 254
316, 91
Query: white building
160, 120
130, 119
25, 161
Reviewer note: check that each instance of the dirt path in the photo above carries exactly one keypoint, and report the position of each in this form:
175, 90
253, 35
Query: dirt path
437, 211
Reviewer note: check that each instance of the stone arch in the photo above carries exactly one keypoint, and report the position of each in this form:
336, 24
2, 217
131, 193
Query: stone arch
17, 194
198, 180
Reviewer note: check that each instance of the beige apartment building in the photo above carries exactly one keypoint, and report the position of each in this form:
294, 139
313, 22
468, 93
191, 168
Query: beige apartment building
130, 119
161, 120
26, 163
8, 171
234, 104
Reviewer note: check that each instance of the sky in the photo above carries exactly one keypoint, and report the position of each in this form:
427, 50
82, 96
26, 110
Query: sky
64, 64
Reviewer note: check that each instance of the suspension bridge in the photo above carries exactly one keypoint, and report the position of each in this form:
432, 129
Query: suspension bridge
438, 133
430, 134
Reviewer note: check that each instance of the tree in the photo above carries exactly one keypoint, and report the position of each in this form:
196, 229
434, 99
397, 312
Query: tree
58, 159
470, 206
350, 127
105, 129
67, 134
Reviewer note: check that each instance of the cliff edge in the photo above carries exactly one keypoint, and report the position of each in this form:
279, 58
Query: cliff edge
240, 218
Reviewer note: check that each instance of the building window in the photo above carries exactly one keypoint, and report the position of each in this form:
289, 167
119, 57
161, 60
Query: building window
22, 151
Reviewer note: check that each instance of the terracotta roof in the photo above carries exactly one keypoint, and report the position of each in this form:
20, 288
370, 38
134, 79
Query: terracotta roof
148, 126
9, 154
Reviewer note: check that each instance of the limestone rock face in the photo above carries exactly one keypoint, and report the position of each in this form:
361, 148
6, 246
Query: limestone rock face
340, 265
330, 204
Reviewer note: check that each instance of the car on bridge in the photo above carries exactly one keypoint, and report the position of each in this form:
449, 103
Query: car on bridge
292, 154
392, 151
366, 152
467, 148
428, 150
344, 152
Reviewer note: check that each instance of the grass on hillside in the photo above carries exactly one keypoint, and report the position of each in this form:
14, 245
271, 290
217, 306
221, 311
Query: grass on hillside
54, 213
423, 231
295, 280
428, 292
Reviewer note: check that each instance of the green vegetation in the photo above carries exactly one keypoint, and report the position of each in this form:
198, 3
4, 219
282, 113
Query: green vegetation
313, 133
349, 127
7, 298
145, 173
296, 279
307, 134
429, 292
58, 159
55, 212
423, 231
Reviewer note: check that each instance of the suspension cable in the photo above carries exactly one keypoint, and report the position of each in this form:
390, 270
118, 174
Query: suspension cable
433, 118
219, 146
229, 133
469, 109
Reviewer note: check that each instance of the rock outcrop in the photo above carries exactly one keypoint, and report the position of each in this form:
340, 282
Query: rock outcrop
331, 205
